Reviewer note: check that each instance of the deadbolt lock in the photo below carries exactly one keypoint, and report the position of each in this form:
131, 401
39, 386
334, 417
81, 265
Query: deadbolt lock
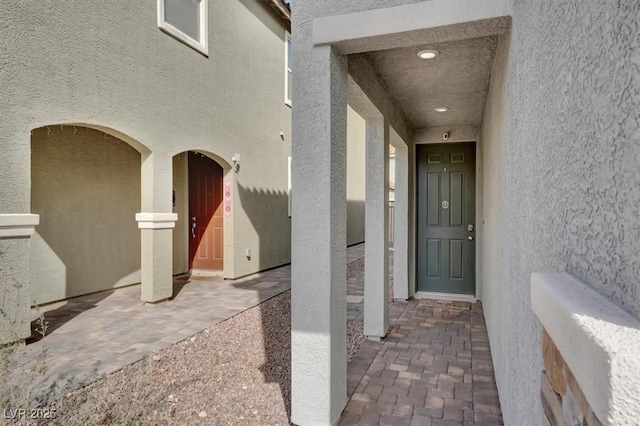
470, 227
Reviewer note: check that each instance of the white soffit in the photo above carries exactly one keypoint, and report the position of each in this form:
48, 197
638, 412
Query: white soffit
408, 25
599, 341
18, 225
370, 99
458, 78
359, 101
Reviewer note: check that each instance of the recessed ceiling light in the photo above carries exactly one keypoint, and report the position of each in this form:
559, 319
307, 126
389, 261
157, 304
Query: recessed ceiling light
442, 109
428, 54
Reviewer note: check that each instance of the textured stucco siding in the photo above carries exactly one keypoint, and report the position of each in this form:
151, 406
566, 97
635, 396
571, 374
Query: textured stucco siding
561, 148
496, 290
16, 297
181, 207
86, 189
108, 64
338, 7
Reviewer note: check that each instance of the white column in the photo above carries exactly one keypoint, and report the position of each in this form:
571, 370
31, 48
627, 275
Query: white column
156, 223
15, 233
318, 261
401, 225
376, 249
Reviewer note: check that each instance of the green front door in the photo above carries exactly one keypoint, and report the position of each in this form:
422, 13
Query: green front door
446, 218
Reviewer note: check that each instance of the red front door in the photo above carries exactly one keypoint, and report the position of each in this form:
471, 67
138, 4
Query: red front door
205, 213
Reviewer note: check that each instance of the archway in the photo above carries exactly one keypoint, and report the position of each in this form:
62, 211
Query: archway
85, 185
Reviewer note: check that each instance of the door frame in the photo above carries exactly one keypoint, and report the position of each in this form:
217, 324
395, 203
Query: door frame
182, 231
213, 163
478, 228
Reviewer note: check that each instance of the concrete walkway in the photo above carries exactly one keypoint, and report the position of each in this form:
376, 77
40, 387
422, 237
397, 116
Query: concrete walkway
433, 368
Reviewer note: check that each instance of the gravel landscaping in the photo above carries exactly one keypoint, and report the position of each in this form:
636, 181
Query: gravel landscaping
236, 372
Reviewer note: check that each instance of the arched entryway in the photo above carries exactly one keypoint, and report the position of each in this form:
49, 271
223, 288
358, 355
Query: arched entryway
86, 187
199, 200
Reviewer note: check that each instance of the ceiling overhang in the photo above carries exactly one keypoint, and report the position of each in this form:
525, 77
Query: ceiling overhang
384, 68
426, 22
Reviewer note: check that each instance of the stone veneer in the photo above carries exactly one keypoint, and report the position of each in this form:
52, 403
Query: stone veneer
591, 351
563, 401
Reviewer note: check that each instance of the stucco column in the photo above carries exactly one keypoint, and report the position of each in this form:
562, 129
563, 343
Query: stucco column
16, 224
401, 225
376, 249
15, 233
412, 219
318, 261
156, 223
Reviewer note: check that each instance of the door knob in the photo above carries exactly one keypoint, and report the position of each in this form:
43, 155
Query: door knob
470, 237
470, 227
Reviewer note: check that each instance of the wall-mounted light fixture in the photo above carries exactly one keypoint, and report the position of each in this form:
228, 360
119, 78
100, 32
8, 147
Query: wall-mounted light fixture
236, 162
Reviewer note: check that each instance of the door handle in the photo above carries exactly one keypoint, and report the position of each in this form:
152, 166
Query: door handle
470, 237
193, 227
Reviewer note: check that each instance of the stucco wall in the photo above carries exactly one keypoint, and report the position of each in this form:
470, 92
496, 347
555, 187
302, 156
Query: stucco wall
561, 142
356, 176
108, 64
86, 189
337, 7
181, 207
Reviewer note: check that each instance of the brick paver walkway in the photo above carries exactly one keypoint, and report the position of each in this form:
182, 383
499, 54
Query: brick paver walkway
434, 368
97, 334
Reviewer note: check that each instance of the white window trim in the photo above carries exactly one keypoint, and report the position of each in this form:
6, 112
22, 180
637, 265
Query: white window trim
287, 69
202, 47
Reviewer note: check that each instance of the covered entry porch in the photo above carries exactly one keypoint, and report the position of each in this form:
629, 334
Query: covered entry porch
415, 82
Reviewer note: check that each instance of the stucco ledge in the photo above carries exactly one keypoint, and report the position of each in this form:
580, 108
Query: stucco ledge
156, 220
599, 341
18, 225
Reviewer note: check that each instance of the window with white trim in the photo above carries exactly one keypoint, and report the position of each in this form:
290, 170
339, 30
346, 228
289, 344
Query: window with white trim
185, 20
288, 82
